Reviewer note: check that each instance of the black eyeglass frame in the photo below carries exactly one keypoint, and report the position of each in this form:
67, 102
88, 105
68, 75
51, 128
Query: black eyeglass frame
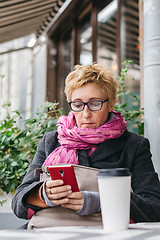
86, 103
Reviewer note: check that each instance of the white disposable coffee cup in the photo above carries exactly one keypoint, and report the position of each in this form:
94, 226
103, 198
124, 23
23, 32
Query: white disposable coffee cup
114, 188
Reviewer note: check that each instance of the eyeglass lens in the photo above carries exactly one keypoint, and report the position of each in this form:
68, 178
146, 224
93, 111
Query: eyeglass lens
92, 105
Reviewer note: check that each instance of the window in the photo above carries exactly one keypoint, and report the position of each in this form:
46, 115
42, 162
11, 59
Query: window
66, 53
85, 41
107, 36
129, 45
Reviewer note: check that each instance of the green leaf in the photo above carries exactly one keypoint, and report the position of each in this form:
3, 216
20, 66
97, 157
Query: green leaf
13, 164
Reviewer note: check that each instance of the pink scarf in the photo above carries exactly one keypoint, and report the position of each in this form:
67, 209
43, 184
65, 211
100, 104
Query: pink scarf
72, 138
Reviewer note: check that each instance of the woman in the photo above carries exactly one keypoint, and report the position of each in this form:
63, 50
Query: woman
96, 136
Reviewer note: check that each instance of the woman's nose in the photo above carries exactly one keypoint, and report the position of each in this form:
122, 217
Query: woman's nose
86, 112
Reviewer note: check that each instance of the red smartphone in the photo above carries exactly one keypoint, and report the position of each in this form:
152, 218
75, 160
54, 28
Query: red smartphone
66, 173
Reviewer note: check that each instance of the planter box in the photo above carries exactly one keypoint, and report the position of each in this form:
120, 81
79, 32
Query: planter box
8, 219
6, 207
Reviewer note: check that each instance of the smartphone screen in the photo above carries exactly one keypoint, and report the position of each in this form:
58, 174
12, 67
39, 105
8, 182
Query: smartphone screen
65, 173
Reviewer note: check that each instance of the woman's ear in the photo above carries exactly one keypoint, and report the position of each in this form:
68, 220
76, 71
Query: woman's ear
111, 106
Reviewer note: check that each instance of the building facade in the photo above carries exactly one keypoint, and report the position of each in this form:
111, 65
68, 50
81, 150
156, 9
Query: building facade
104, 31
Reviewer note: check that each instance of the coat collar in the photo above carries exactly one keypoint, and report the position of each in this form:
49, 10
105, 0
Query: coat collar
104, 150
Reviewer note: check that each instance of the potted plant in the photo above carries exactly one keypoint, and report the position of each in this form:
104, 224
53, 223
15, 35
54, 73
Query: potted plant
18, 145
121, 105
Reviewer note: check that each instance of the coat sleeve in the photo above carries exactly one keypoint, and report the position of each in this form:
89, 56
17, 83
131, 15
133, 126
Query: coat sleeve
30, 182
145, 199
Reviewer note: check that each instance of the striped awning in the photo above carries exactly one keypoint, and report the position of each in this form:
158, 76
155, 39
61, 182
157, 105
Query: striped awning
23, 17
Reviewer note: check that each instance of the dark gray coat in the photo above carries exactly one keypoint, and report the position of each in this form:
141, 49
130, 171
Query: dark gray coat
130, 150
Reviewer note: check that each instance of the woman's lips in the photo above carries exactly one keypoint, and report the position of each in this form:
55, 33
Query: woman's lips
87, 124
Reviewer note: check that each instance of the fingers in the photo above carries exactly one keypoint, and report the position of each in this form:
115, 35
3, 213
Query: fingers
73, 207
61, 202
56, 187
76, 195
57, 192
62, 195
75, 201
55, 183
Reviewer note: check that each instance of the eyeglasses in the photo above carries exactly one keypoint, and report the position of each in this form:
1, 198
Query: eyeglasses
93, 105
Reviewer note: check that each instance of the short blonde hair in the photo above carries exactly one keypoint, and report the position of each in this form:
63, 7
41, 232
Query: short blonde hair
94, 73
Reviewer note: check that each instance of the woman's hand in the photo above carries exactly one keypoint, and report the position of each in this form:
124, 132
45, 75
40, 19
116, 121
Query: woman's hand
57, 192
62, 195
75, 201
